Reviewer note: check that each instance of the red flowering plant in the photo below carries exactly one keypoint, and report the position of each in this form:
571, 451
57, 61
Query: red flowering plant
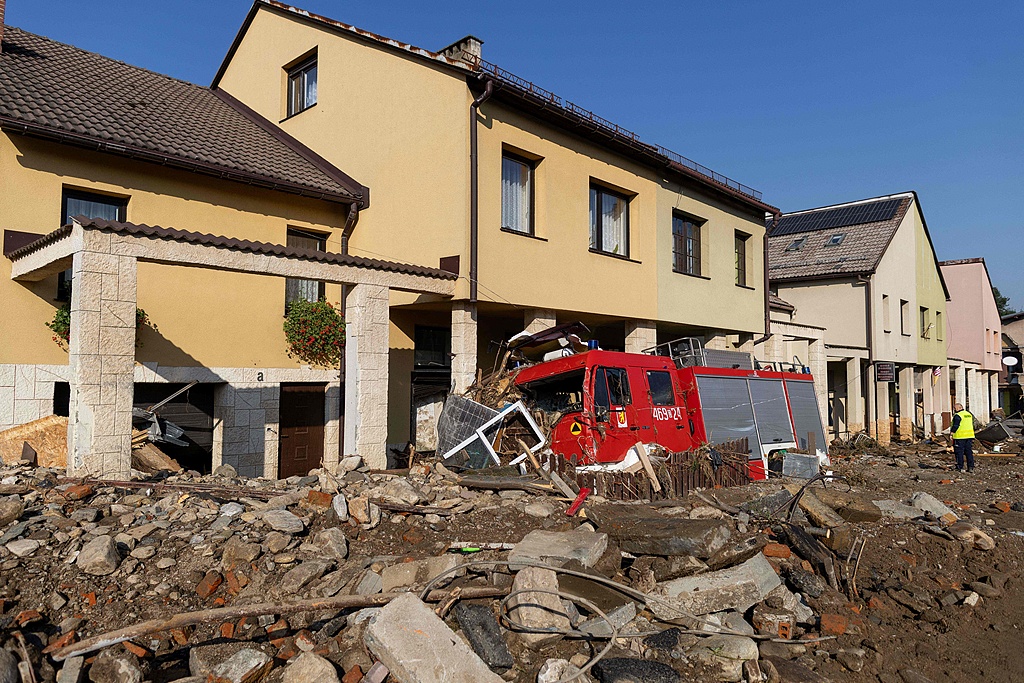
315, 332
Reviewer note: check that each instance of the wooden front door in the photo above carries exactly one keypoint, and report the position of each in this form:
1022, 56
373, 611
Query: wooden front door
302, 429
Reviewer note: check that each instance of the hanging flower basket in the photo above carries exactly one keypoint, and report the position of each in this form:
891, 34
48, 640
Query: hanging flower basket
315, 333
61, 325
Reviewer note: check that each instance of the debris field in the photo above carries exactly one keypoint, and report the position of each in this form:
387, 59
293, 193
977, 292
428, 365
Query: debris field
896, 569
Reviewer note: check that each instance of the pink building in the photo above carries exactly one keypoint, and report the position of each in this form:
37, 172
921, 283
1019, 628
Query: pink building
974, 336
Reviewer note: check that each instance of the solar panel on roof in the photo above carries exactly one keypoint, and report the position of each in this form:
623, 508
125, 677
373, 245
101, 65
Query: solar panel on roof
837, 218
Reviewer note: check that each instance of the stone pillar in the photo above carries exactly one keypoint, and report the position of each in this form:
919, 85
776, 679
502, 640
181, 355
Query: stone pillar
640, 335
854, 396
817, 361
538, 319
717, 339
881, 415
101, 359
872, 405
993, 390
960, 378
366, 373
906, 380
930, 381
464, 345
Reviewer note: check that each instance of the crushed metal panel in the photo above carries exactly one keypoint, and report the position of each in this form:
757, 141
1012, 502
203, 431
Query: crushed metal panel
460, 418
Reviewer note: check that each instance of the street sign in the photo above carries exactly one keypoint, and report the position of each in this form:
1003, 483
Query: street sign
885, 371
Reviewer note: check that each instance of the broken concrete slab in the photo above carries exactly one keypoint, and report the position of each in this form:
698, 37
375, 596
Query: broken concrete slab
559, 547
480, 626
416, 645
737, 588
417, 573
925, 502
897, 510
618, 617
728, 652
530, 608
643, 531
854, 508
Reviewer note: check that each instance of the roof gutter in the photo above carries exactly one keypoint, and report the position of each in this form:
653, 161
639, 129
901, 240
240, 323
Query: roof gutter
767, 299
474, 191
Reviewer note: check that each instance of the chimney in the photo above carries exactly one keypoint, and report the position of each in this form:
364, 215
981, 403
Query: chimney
3, 6
467, 50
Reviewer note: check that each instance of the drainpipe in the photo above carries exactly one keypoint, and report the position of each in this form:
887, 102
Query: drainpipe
767, 300
474, 198
869, 296
350, 226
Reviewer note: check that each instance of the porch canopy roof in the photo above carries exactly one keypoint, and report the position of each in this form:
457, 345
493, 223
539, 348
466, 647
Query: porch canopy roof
52, 253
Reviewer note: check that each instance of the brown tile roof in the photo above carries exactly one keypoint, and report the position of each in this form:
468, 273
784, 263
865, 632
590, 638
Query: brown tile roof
859, 253
779, 304
67, 94
231, 243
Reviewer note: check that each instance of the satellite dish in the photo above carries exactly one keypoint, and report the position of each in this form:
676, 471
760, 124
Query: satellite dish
1009, 361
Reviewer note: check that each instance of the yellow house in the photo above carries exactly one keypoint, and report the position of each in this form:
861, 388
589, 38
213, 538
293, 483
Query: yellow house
178, 200
547, 212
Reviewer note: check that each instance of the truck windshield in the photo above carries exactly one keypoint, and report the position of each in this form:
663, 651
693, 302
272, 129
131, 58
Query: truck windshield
561, 393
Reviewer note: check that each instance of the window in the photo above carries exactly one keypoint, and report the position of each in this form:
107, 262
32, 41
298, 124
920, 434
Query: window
926, 328
886, 325
89, 205
611, 388
433, 347
938, 325
741, 258
905, 318
797, 244
609, 222
516, 194
836, 240
660, 384
686, 244
306, 290
302, 86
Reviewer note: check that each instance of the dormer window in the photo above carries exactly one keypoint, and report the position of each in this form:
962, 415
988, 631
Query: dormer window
302, 86
797, 244
836, 239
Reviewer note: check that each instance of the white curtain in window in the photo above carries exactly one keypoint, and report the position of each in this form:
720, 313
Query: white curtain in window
307, 290
613, 224
310, 78
515, 195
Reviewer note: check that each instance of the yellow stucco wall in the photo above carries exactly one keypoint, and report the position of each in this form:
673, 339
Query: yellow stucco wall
930, 294
394, 123
204, 317
401, 126
840, 306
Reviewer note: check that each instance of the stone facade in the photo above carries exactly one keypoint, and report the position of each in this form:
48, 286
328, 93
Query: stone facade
366, 373
640, 335
464, 345
26, 392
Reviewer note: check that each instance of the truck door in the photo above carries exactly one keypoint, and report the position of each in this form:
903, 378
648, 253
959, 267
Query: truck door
614, 414
666, 422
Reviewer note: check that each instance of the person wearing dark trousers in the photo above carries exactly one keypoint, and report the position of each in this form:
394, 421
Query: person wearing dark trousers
962, 431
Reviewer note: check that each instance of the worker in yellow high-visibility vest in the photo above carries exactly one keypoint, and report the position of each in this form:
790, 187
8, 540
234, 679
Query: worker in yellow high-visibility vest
962, 431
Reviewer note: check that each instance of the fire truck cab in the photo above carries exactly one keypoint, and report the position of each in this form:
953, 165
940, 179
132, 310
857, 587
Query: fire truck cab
606, 402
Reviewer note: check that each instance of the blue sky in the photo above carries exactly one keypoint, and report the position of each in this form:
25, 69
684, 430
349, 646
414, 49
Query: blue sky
812, 103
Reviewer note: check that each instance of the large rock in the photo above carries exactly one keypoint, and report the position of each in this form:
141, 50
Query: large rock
737, 588
115, 666
533, 609
238, 553
480, 626
628, 670
728, 652
283, 521
642, 531
559, 547
416, 645
309, 668
925, 502
245, 666
99, 557
11, 508
364, 512
402, 492
332, 543
417, 573
299, 577
8, 667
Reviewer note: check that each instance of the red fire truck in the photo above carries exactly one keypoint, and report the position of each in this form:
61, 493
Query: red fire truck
676, 395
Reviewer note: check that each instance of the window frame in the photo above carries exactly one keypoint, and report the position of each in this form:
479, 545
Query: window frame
939, 334
671, 387
311, 234
530, 164
297, 73
904, 317
120, 201
886, 314
446, 346
698, 259
740, 240
598, 224
923, 313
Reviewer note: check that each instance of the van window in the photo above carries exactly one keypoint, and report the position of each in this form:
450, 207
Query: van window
618, 387
660, 383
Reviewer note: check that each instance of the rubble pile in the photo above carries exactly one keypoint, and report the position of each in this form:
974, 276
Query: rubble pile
354, 575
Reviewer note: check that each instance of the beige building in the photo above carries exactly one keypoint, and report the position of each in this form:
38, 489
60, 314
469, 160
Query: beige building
866, 272
180, 201
1010, 395
548, 213
974, 336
